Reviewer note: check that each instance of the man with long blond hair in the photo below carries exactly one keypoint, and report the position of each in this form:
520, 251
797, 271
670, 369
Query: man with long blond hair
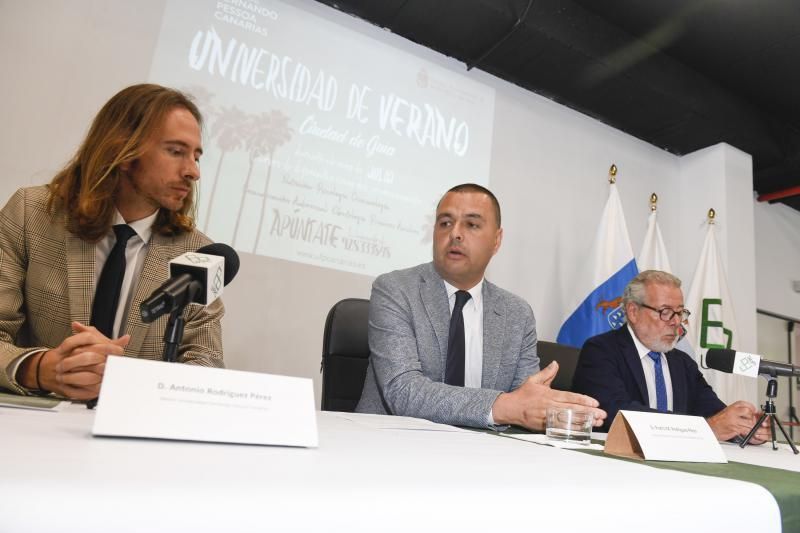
126, 197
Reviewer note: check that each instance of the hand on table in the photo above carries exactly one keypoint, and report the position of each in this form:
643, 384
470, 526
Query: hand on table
74, 369
527, 405
737, 420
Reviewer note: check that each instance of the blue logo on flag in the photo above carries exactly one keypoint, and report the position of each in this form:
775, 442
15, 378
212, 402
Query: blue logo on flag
616, 318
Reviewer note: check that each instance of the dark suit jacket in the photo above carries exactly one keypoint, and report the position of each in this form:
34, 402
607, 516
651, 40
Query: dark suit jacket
610, 370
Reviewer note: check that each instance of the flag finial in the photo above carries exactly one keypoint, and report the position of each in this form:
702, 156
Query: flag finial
612, 173
711, 215
653, 201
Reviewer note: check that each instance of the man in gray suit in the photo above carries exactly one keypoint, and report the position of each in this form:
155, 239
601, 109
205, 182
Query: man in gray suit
451, 347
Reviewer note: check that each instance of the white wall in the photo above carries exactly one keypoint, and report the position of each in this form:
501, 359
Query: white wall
62, 60
777, 258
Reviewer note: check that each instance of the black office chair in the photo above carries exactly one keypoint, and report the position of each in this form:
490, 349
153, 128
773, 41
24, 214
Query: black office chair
567, 357
345, 355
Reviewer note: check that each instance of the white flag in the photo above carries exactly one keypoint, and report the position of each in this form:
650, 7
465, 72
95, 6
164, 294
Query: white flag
713, 323
654, 254
654, 257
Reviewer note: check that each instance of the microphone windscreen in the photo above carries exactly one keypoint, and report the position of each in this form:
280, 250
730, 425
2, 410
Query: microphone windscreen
230, 255
721, 359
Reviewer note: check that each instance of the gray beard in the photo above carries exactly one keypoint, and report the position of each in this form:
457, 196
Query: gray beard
664, 347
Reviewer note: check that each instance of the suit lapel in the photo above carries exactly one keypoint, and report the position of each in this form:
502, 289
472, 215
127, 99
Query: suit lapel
434, 299
493, 328
633, 361
80, 274
678, 378
155, 271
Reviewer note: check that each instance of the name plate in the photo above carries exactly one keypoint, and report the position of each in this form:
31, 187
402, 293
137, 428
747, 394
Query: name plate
154, 399
663, 437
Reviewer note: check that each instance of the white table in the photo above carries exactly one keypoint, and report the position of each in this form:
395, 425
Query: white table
56, 477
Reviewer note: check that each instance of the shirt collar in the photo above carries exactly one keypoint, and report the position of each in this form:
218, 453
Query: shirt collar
143, 227
640, 348
475, 292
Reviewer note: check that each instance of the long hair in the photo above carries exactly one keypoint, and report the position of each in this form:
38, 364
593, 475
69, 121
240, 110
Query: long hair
85, 189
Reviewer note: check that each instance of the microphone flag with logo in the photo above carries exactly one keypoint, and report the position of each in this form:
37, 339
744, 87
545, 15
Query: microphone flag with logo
596, 305
195, 277
713, 322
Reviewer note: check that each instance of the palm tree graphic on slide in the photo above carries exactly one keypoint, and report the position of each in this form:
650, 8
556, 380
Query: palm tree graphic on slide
229, 131
260, 135
270, 130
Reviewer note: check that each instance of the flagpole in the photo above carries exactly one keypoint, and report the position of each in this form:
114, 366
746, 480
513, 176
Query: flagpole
653, 202
612, 174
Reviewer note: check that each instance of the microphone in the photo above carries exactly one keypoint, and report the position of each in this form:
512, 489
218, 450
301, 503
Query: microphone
747, 364
195, 277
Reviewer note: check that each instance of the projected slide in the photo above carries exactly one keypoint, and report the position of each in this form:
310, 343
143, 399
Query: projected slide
322, 145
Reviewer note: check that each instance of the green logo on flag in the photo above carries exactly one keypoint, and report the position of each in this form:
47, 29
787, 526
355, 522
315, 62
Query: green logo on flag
707, 324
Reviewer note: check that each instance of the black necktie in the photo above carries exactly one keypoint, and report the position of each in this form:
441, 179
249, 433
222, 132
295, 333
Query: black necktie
454, 370
106, 295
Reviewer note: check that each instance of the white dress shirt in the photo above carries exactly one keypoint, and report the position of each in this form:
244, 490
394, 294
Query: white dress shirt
135, 252
649, 367
473, 332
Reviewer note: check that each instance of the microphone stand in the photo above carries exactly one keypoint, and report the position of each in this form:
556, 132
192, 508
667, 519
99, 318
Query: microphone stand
769, 411
173, 335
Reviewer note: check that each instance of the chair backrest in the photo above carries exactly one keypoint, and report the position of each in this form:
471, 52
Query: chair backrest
567, 357
345, 355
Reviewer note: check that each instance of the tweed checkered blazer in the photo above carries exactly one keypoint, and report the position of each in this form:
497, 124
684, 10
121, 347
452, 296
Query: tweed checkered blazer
47, 278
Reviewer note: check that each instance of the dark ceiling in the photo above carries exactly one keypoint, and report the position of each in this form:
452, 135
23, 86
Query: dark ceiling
679, 74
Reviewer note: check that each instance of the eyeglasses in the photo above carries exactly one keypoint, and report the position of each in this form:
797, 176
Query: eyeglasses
666, 313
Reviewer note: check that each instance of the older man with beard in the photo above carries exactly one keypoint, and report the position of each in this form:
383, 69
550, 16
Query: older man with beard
637, 367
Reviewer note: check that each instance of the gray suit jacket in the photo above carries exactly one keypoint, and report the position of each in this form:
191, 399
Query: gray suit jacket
409, 320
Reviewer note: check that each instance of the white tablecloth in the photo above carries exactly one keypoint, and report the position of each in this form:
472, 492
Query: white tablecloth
370, 474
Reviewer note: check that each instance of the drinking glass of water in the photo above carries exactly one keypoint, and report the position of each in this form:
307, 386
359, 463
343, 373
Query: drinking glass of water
572, 425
